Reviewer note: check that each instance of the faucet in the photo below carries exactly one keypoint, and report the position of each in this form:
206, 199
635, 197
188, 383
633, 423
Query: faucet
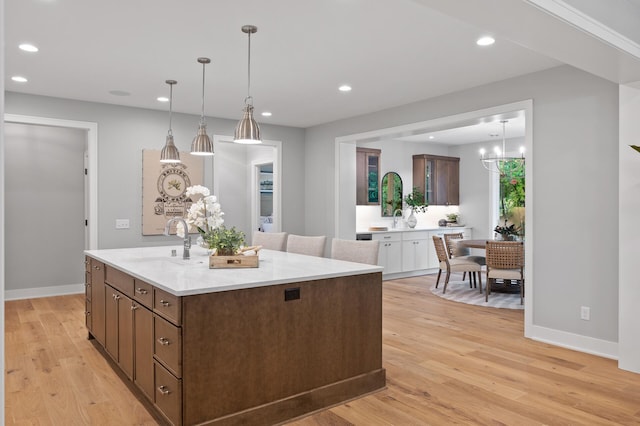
395, 218
187, 237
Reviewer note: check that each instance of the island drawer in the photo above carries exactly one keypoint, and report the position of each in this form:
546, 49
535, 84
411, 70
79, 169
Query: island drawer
167, 344
143, 293
119, 280
168, 397
167, 305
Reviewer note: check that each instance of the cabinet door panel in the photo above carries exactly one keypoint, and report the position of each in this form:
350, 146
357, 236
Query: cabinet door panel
143, 350
111, 322
97, 301
125, 335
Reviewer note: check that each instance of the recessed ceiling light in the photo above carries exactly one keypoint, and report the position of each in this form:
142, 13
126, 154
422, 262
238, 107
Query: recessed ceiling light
19, 79
266, 114
432, 137
485, 41
28, 47
162, 99
119, 93
344, 88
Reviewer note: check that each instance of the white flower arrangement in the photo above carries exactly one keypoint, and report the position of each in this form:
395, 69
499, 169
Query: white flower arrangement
204, 215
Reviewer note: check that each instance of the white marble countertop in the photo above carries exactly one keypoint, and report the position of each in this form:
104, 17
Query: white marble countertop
390, 229
188, 277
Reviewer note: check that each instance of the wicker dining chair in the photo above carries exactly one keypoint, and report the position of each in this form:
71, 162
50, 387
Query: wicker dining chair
455, 251
456, 264
505, 261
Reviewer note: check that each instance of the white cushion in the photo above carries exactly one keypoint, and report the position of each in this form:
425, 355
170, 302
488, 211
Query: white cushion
507, 274
460, 264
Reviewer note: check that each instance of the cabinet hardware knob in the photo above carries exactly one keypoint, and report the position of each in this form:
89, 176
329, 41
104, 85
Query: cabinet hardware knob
87, 313
164, 341
97, 267
164, 303
163, 390
86, 262
116, 297
140, 290
134, 307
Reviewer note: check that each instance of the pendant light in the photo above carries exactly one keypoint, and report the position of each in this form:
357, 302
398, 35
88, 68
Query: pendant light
499, 162
247, 130
201, 144
169, 153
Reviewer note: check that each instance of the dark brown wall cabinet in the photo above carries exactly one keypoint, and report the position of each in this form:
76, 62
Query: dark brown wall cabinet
438, 178
367, 176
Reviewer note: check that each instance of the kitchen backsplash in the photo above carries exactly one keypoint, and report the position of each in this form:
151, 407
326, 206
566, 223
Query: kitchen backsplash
367, 216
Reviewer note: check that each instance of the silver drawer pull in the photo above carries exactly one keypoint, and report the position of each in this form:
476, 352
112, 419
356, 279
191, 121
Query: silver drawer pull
164, 303
140, 290
164, 390
134, 307
164, 341
386, 238
116, 297
97, 267
87, 313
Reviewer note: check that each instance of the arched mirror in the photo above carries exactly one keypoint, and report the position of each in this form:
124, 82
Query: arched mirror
391, 190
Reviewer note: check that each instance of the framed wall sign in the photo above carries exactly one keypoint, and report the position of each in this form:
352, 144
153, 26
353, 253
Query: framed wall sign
164, 187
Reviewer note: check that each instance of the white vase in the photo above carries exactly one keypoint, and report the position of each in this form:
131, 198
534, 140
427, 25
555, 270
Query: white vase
412, 221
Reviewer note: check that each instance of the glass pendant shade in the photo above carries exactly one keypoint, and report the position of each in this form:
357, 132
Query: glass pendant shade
169, 153
247, 130
201, 144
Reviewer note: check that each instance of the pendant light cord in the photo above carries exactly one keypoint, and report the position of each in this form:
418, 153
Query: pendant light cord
202, 115
170, 107
249, 100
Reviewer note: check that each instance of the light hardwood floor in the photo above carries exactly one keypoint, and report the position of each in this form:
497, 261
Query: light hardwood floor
447, 363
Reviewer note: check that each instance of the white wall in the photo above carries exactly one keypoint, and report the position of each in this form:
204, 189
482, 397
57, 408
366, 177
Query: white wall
575, 139
2, 253
45, 202
122, 134
629, 231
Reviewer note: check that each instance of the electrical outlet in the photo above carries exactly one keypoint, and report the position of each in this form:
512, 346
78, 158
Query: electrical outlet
122, 223
585, 313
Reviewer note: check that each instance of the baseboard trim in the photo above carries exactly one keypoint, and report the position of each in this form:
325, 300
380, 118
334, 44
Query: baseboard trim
576, 342
37, 292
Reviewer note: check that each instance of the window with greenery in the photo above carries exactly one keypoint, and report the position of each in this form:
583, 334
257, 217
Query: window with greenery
511, 200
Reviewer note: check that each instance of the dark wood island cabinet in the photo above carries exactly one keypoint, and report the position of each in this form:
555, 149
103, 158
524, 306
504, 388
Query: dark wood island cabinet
261, 352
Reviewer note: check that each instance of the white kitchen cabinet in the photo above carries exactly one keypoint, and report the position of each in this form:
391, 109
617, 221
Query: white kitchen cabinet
415, 250
390, 251
433, 257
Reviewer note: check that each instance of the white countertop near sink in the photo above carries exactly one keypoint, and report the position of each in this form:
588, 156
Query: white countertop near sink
432, 228
156, 266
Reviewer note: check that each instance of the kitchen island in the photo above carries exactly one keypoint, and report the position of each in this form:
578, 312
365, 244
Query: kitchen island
237, 346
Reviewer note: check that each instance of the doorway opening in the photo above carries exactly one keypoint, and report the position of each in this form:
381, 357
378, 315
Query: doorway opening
49, 202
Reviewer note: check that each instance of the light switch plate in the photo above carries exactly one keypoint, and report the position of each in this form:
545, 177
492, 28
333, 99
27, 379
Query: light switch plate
122, 223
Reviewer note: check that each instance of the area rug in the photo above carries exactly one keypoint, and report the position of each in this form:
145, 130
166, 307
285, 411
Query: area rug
459, 291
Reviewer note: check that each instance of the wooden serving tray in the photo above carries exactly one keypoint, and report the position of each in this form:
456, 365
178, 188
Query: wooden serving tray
237, 261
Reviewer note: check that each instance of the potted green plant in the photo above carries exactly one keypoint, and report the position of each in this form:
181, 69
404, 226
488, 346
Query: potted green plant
415, 200
507, 232
226, 241
452, 217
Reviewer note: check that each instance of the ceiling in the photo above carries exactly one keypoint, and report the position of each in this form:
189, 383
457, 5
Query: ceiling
391, 53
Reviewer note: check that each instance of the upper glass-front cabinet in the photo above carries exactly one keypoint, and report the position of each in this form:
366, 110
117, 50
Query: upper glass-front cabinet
367, 176
438, 178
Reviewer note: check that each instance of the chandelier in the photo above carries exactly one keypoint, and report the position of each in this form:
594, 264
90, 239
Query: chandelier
498, 161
